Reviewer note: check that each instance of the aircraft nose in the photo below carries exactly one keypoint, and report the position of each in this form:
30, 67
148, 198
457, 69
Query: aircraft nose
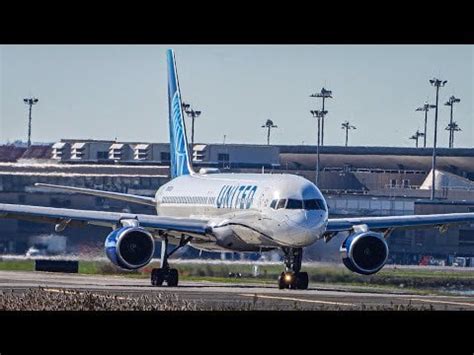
307, 220
305, 226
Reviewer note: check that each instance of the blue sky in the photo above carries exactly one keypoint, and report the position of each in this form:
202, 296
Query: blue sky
109, 91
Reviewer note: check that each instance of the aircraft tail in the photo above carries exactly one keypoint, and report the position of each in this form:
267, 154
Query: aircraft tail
179, 149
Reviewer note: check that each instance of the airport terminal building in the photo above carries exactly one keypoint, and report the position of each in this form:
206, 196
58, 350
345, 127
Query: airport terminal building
355, 180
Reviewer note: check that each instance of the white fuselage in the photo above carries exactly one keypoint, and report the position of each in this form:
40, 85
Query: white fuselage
241, 211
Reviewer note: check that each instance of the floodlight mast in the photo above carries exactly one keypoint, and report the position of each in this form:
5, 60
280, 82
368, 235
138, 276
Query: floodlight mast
437, 83
318, 115
324, 94
453, 127
30, 102
426, 107
193, 114
347, 126
186, 106
451, 101
416, 136
269, 125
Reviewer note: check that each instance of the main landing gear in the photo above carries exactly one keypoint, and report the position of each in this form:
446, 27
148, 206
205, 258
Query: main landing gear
165, 273
292, 277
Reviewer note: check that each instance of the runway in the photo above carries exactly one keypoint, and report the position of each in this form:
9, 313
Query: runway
234, 296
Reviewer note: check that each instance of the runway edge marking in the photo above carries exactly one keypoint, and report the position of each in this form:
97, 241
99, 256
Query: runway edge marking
297, 299
443, 302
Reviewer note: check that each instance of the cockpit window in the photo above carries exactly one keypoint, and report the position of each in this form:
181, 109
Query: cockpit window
281, 204
314, 204
294, 204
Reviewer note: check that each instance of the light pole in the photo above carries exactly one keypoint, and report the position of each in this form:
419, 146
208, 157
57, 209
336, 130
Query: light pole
452, 100
319, 115
186, 106
426, 107
452, 127
347, 126
269, 125
193, 114
324, 94
437, 83
417, 135
30, 102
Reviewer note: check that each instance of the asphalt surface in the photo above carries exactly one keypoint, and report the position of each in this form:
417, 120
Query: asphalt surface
236, 296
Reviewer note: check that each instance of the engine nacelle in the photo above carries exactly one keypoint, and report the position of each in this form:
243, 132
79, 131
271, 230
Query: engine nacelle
364, 252
130, 247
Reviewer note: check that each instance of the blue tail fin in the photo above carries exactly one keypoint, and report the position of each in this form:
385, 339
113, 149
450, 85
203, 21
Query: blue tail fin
180, 159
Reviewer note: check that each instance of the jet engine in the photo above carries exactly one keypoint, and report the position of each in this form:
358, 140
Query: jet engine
130, 247
364, 252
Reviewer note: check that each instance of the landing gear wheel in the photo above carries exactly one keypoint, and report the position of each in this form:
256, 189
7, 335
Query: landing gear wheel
293, 285
164, 273
292, 277
286, 280
172, 278
281, 281
301, 281
157, 277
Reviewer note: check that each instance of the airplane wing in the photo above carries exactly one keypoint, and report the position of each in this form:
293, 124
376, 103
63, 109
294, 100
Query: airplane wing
413, 221
65, 216
143, 200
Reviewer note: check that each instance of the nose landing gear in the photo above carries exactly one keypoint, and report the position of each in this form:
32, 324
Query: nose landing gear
293, 280
292, 277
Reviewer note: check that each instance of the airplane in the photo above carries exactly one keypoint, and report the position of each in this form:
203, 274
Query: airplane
216, 211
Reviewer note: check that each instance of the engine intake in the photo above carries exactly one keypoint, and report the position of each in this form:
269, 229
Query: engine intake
364, 252
130, 247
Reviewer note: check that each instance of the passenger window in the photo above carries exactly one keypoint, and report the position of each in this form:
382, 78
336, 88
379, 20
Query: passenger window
294, 204
273, 204
281, 204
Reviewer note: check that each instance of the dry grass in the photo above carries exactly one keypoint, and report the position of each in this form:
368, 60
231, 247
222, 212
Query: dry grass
42, 299
71, 300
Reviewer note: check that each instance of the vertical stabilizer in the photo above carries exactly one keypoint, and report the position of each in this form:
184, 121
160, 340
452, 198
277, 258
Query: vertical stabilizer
179, 153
